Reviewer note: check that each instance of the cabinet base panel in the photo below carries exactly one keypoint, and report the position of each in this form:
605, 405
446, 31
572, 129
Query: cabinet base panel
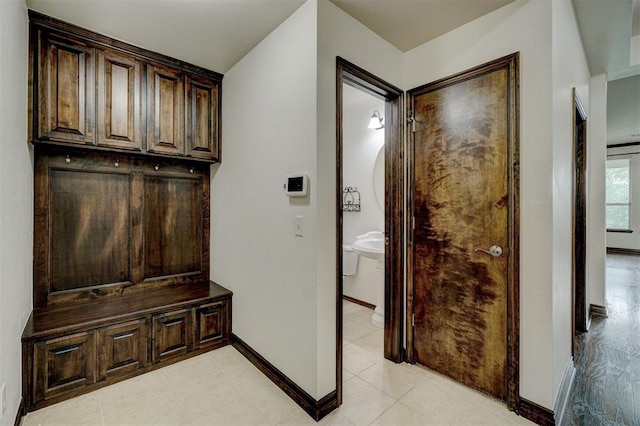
52, 333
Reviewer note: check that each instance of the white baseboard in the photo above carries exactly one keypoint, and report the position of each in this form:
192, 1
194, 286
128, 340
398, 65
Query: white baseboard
562, 399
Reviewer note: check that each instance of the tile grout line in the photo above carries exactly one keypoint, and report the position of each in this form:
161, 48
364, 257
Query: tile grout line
101, 407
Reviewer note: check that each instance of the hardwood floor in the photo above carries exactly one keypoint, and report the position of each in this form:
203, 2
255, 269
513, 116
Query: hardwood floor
606, 390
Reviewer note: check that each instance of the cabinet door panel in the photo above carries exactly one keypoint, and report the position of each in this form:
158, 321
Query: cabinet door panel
63, 365
66, 73
118, 101
202, 118
172, 334
165, 116
212, 324
90, 235
173, 229
122, 349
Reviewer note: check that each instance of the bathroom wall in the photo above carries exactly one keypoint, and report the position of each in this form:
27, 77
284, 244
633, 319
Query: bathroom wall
361, 148
16, 199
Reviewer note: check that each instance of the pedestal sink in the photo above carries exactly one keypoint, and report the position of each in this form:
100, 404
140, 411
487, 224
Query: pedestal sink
371, 245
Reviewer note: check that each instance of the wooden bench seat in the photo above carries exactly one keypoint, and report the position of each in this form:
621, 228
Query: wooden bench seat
75, 348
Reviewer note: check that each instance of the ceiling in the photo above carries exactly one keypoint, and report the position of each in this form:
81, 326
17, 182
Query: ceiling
606, 28
213, 34
216, 34
409, 23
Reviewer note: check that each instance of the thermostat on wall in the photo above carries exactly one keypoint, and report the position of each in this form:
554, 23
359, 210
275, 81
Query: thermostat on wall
296, 185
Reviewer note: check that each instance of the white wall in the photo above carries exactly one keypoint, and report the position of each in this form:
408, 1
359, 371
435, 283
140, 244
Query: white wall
623, 110
338, 35
570, 69
596, 155
361, 147
523, 26
16, 199
269, 131
276, 305
279, 118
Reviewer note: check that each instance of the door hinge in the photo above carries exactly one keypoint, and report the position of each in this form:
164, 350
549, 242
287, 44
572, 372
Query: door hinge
413, 320
413, 223
413, 123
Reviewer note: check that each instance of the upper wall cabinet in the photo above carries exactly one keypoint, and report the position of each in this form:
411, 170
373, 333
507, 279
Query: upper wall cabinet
94, 92
118, 124
165, 110
202, 116
65, 82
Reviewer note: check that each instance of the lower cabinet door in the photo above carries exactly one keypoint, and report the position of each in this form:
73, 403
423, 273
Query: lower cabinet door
63, 365
172, 334
212, 324
122, 349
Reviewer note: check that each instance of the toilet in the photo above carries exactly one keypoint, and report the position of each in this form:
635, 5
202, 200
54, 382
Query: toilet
349, 260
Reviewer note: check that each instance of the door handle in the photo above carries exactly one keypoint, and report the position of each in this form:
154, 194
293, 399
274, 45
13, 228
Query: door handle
495, 251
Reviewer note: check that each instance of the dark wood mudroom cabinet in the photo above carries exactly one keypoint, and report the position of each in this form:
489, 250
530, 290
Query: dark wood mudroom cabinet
94, 92
124, 139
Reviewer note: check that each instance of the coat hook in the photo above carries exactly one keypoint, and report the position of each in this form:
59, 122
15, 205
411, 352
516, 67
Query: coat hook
117, 163
157, 167
68, 159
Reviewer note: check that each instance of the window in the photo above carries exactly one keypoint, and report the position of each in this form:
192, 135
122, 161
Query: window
618, 191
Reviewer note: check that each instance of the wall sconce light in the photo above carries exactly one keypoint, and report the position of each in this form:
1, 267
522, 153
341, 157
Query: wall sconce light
376, 121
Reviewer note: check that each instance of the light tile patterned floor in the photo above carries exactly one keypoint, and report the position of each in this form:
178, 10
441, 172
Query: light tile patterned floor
222, 388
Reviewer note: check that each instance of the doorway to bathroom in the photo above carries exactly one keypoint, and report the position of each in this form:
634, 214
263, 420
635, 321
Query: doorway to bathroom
370, 205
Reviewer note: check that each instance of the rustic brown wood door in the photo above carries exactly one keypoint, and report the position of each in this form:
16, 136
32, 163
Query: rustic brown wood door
460, 184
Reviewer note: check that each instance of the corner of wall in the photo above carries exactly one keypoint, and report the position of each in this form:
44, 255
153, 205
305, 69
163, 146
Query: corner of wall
569, 70
339, 34
269, 131
16, 200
